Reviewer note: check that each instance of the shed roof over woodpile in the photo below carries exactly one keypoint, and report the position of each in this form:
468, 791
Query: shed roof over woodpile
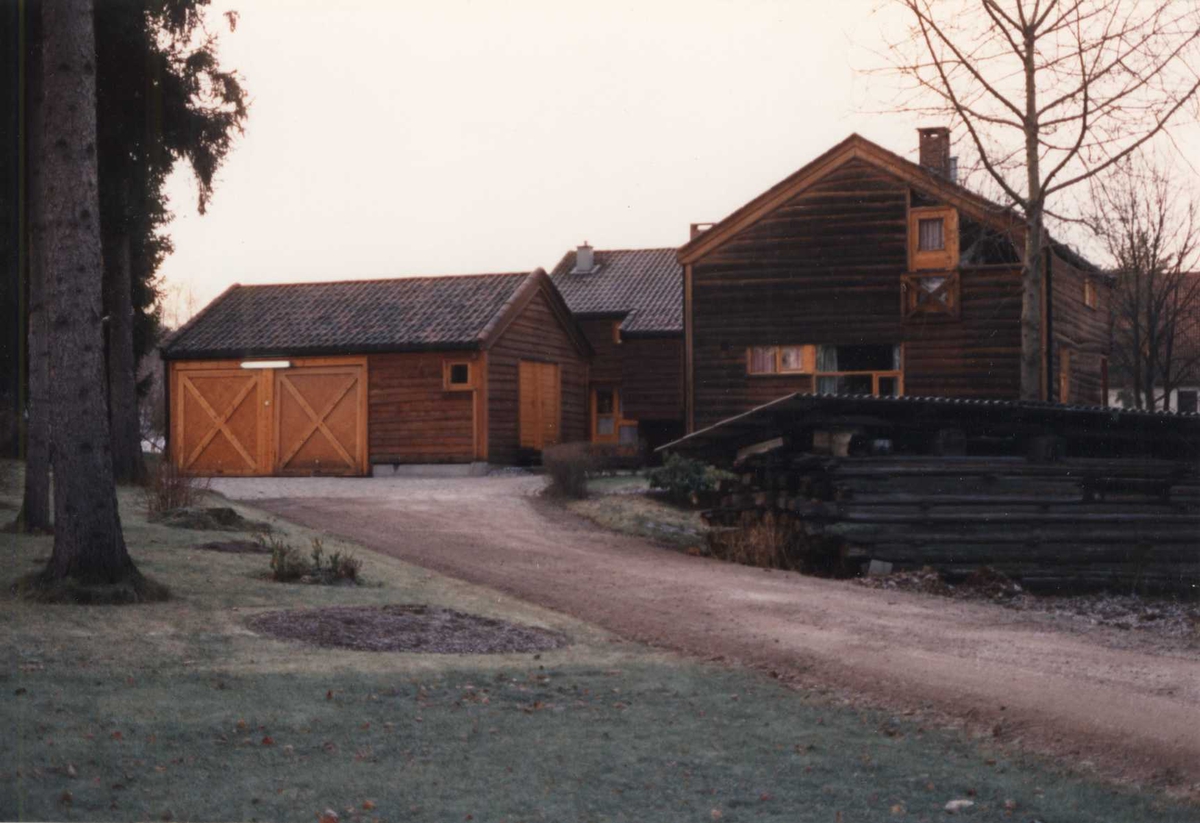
645, 285
996, 426
360, 316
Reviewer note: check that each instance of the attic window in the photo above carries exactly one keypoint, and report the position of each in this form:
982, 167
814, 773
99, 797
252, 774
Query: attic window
930, 293
456, 376
1090, 298
932, 238
931, 234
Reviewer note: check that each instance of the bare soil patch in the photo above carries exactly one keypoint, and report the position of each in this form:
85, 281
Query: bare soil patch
212, 518
234, 547
1167, 620
405, 628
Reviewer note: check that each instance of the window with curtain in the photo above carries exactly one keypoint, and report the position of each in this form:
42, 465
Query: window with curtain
931, 234
762, 360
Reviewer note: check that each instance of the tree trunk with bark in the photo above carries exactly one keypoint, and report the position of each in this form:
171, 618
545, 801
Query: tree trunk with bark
35, 510
89, 548
128, 466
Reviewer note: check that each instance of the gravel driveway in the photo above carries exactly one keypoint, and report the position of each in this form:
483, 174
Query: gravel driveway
1133, 713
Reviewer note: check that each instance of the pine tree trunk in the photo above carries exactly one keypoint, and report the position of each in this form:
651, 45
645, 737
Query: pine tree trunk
128, 466
88, 544
35, 510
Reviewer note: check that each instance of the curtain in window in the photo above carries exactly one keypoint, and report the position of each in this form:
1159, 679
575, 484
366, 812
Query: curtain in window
762, 359
896, 358
827, 359
932, 234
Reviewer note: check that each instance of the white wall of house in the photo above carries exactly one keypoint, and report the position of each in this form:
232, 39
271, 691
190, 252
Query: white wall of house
1190, 398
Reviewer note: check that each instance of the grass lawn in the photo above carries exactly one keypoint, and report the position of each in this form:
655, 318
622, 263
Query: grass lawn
177, 711
620, 503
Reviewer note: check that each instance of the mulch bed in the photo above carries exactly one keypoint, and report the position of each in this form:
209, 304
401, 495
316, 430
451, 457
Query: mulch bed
215, 518
234, 547
407, 628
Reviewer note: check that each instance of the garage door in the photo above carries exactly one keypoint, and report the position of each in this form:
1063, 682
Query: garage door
307, 419
320, 420
218, 422
540, 407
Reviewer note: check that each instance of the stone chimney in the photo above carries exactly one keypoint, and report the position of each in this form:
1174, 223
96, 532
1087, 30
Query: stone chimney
935, 150
585, 259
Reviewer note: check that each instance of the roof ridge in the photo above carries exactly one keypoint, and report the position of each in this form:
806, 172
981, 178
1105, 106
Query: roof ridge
386, 279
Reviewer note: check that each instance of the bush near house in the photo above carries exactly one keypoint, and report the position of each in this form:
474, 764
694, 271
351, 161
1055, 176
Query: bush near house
568, 466
686, 480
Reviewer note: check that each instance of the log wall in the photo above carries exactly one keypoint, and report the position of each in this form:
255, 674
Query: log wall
538, 335
647, 370
826, 268
412, 418
1080, 329
1125, 525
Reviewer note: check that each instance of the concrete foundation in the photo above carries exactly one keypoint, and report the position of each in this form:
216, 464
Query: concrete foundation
478, 469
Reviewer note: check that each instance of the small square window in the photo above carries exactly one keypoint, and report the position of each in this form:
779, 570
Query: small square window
457, 377
932, 234
793, 359
605, 402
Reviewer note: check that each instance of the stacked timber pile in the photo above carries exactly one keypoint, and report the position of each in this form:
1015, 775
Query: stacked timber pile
1073, 524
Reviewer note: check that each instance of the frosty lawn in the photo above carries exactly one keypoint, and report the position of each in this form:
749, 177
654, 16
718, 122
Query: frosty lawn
179, 711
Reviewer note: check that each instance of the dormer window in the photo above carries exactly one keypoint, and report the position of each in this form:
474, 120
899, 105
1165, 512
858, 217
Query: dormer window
932, 238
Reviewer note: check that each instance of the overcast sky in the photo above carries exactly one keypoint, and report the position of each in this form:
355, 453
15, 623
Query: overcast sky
394, 138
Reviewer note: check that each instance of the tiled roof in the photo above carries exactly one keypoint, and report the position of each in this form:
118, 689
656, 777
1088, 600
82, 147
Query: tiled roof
646, 285
408, 313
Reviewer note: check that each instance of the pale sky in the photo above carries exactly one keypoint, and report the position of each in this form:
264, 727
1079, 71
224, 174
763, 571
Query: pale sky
452, 137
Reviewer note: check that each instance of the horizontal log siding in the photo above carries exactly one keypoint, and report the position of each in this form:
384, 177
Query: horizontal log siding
1081, 329
652, 378
825, 268
607, 360
647, 370
977, 355
537, 335
411, 418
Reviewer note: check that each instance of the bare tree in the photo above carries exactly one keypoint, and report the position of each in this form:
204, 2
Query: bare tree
1151, 229
89, 548
1051, 93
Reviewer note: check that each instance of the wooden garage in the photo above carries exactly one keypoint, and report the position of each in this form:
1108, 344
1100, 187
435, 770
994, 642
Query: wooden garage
341, 378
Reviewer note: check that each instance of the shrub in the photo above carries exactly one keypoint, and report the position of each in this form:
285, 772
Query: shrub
168, 489
684, 479
289, 566
286, 563
568, 466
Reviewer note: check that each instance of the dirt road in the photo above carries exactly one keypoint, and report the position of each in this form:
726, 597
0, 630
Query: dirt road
1134, 714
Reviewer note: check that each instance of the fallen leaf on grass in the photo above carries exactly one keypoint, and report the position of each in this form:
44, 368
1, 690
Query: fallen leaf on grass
117, 736
268, 741
327, 816
368, 805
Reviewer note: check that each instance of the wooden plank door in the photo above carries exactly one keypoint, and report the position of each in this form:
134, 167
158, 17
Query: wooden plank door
320, 420
540, 403
220, 421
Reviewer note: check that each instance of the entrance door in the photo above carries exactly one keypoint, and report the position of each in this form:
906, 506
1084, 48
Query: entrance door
540, 401
220, 422
320, 420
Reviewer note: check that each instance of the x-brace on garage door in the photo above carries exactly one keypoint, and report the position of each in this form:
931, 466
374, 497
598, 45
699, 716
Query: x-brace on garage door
309, 418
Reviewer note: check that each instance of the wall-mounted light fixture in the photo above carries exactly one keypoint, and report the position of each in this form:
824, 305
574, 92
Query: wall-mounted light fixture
266, 364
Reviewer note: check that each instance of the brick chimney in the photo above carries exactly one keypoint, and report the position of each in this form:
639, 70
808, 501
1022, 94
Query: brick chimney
935, 150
